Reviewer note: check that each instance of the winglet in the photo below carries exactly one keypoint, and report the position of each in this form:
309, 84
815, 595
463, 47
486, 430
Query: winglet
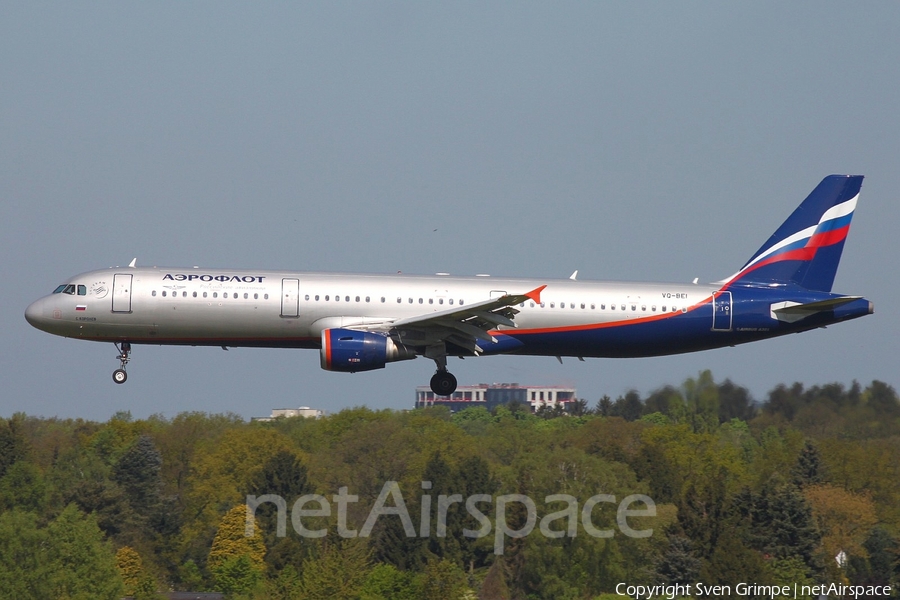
535, 294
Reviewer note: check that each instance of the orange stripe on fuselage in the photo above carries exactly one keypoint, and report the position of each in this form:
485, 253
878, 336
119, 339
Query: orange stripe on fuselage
590, 326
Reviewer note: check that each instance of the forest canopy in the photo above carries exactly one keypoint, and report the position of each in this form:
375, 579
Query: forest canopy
800, 487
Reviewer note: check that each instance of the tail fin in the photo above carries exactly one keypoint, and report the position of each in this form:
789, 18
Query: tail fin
807, 248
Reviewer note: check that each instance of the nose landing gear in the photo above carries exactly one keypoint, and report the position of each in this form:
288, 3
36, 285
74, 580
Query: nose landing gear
119, 375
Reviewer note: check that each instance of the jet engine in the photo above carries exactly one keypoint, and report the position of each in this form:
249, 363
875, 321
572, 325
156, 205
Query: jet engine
350, 351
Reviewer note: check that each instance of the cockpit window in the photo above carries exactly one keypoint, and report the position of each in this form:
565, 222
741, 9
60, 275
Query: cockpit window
59, 289
70, 289
82, 290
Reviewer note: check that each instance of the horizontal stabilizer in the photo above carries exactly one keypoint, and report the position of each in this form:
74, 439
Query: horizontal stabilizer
791, 312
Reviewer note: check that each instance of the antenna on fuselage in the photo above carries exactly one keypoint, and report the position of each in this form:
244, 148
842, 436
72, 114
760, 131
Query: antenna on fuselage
574, 275
133, 262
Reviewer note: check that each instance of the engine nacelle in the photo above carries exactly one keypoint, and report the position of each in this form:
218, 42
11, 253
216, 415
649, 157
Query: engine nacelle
351, 351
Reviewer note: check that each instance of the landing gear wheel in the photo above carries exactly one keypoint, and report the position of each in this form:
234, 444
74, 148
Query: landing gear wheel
119, 375
443, 383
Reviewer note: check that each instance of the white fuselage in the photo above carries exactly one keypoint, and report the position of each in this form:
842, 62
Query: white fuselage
291, 309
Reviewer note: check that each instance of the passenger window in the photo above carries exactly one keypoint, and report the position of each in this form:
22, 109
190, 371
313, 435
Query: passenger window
664, 308
451, 301
195, 294
235, 295
399, 300
357, 298
532, 304
367, 298
622, 307
164, 293
266, 297
593, 306
204, 294
431, 301
215, 294
153, 293
347, 299
184, 294
612, 307
317, 297
644, 308
582, 305
653, 308
327, 298
420, 301
410, 300
440, 300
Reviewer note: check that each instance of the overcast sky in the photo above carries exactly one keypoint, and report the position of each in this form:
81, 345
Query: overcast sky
636, 141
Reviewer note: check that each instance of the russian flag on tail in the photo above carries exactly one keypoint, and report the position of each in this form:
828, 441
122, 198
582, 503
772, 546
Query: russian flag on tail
806, 249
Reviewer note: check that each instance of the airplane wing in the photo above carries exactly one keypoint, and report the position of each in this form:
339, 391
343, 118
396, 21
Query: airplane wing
790, 312
463, 326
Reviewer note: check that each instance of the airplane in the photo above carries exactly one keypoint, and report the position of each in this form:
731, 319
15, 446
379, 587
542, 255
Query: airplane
361, 322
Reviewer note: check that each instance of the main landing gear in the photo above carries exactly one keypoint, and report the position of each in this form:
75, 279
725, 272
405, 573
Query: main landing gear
119, 375
443, 383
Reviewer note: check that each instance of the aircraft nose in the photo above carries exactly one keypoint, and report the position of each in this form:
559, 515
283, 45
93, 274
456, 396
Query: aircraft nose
34, 314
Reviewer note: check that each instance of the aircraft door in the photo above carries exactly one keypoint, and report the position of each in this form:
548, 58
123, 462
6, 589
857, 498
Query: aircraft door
722, 311
290, 297
121, 300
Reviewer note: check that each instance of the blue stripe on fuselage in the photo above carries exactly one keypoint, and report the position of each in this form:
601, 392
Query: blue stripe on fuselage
681, 332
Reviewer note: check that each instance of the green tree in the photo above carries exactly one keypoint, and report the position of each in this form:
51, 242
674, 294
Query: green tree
702, 398
808, 470
735, 402
604, 407
339, 571
443, 580
81, 562
137, 471
678, 564
24, 486
236, 560
387, 582
23, 569
13, 446
732, 561
781, 523
629, 407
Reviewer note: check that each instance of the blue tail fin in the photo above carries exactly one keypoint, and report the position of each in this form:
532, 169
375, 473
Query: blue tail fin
807, 248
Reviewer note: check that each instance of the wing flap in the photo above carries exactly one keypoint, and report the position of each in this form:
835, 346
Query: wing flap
463, 326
